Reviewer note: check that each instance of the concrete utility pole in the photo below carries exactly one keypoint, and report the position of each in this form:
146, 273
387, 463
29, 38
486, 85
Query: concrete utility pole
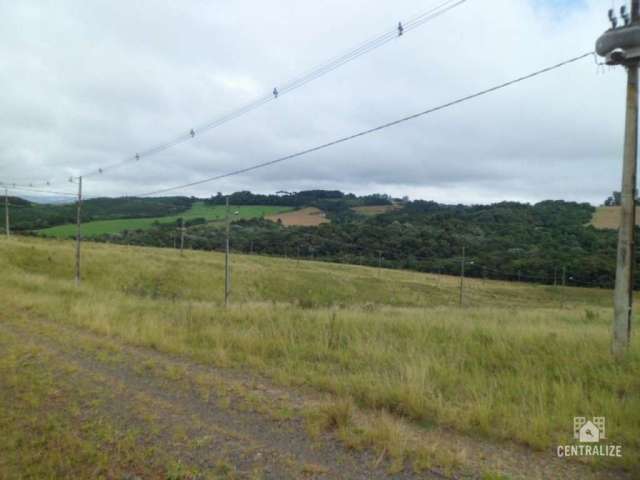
182, 236
78, 233
226, 257
462, 274
6, 212
621, 46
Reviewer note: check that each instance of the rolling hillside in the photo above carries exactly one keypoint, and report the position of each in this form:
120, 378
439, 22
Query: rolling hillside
197, 210
391, 351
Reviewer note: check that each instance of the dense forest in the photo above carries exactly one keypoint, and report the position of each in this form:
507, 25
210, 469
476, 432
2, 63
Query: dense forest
549, 242
33, 216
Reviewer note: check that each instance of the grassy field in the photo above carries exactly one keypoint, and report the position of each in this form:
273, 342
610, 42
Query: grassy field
375, 209
198, 210
609, 218
515, 364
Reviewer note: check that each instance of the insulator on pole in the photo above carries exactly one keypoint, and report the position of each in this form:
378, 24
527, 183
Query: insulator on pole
400, 29
625, 15
275, 92
613, 19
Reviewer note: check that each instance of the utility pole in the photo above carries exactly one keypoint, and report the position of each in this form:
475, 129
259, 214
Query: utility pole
182, 236
462, 275
620, 46
564, 276
226, 257
623, 292
6, 212
78, 233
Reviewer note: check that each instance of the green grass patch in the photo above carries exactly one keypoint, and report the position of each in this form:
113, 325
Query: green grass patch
198, 210
518, 362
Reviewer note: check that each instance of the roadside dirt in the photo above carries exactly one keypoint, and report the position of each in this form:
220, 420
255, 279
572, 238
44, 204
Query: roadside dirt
205, 417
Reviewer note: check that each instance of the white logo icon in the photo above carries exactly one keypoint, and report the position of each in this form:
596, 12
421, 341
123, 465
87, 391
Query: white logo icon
589, 431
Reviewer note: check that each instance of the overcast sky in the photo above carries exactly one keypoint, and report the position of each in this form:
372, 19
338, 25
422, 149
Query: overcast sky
86, 84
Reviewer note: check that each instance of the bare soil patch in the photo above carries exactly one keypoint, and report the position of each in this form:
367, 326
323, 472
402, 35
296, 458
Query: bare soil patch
608, 218
305, 217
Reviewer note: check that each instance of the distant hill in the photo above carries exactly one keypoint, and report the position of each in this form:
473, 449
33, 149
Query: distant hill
605, 218
506, 240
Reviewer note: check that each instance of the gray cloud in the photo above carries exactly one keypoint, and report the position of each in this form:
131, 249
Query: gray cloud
86, 84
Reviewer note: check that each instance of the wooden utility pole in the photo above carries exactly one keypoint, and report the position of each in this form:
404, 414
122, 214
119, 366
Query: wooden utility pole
462, 275
620, 46
78, 233
6, 212
226, 257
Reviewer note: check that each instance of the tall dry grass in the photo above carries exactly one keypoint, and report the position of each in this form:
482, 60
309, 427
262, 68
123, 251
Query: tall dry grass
518, 363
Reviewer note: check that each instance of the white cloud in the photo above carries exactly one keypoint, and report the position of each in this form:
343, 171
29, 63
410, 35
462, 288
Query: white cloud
85, 84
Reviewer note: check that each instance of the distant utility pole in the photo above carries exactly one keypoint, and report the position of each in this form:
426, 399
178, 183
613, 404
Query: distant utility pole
6, 212
78, 233
621, 46
564, 276
226, 257
182, 236
462, 274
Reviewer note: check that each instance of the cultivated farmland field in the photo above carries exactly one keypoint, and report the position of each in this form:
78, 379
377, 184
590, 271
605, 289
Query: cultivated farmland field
305, 217
198, 210
372, 210
311, 367
608, 218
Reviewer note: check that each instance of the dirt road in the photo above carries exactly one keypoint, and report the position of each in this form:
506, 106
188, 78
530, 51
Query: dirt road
74, 404
207, 423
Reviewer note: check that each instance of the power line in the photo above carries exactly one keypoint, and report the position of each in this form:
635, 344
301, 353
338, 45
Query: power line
17, 188
371, 130
288, 87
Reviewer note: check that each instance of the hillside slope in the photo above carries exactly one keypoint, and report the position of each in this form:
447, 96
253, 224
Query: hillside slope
514, 365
